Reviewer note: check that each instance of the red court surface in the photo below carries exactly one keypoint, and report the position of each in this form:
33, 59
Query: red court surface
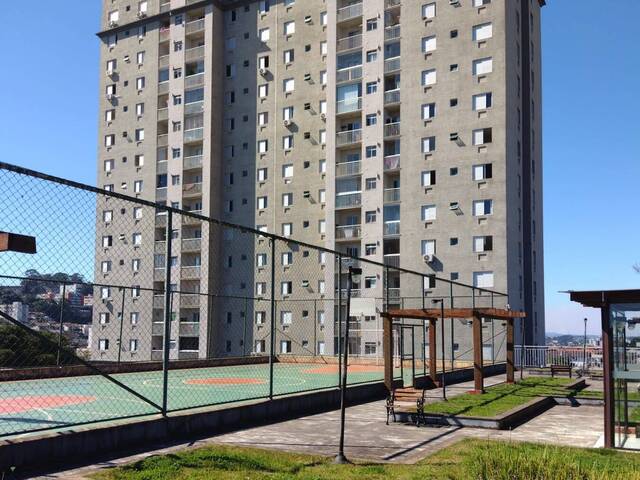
34, 402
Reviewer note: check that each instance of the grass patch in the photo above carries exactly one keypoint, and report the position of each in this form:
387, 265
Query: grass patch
466, 460
634, 396
502, 398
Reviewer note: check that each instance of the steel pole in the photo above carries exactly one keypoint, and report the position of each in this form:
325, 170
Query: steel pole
339, 320
272, 340
522, 348
341, 458
121, 325
443, 381
584, 350
167, 314
64, 292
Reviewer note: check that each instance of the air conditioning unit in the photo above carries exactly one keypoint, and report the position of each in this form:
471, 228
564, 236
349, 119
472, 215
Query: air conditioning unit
455, 3
308, 20
110, 96
428, 258
142, 14
286, 123
307, 77
263, 71
306, 194
323, 116
113, 23
454, 206
110, 72
305, 284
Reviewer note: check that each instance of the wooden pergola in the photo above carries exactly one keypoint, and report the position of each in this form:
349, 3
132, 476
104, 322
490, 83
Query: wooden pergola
432, 316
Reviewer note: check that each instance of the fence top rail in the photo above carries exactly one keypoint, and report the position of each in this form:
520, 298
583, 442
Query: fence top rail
273, 237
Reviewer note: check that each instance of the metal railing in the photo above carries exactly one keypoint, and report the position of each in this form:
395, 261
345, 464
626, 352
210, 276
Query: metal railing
349, 74
349, 12
348, 232
193, 162
194, 26
348, 168
391, 162
193, 135
392, 65
392, 227
349, 43
348, 137
348, 200
391, 195
392, 33
191, 189
392, 129
392, 96
349, 105
193, 54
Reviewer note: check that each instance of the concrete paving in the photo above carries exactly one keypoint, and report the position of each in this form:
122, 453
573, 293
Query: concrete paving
368, 438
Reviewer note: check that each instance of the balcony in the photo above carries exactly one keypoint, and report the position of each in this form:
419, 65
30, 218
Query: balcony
349, 43
163, 61
391, 162
392, 129
165, 33
348, 232
191, 244
193, 108
349, 105
163, 114
161, 167
189, 329
192, 190
392, 65
349, 12
193, 81
391, 3
158, 301
189, 300
193, 135
349, 74
349, 200
190, 272
391, 195
187, 220
158, 274
194, 26
160, 247
348, 137
161, 220
190, 163
392, 260
194, 54
163, 88
165, 7
392, 227
392, 96
161, 194
394, 293
392, 33
163, 140
348, 168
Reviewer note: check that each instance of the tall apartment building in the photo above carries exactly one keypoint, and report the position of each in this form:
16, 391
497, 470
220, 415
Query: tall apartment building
404, 131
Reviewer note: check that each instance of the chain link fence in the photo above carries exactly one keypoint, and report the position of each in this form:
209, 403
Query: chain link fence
135, 308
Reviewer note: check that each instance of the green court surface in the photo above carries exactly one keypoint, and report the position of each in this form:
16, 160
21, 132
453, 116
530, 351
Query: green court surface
57, 403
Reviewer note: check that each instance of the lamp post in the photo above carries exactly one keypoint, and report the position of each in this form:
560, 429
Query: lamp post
584, 350
353, 277
442, 377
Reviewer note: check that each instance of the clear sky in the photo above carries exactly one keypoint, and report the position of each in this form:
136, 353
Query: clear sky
591, 66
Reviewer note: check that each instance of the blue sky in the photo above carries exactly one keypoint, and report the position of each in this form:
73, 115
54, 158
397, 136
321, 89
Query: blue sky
590, 84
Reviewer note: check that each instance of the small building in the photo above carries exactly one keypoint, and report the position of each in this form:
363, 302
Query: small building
17, 310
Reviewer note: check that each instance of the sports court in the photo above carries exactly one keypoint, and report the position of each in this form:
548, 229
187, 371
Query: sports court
56, 403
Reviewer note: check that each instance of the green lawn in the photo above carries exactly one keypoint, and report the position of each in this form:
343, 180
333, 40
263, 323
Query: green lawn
598, 394
501, 398
466, 460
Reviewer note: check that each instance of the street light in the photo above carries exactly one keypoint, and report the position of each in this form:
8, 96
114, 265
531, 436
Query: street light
354, 277
442, 377
584, 351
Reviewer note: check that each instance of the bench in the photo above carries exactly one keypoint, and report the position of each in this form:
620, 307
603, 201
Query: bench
561, 369
406, 397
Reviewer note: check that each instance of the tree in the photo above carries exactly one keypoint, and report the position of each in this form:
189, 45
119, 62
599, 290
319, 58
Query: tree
21, 348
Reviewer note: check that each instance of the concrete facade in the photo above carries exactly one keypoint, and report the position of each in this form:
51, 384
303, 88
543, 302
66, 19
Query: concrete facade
348, 125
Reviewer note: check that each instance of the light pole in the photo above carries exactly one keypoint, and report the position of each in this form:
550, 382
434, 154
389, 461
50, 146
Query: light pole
354, 277
584, 350
442, 377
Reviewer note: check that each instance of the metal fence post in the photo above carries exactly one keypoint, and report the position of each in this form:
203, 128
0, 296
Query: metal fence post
64, 292
167, 314
121, 325
244, 331
339, 320
272, 340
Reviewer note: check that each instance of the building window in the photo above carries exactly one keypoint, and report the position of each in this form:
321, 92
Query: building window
372, 56
370, 183
482, 136
428, 144
103, 344
372, 24
428, 111
289, 85
483, 66
482, 208
371, 151
482, 172
428, 213
289, 28
429, 44
285, 346
286, 318
372, 87
428, 178
371, 119
370, 216
429, 77
428, 247
482, 32
429, 10
483, 244
286, 288
483, 279
482, 101
263, 34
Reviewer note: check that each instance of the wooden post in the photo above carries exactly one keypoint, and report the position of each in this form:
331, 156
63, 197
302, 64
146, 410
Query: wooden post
510, 356
387, 349
432, 349
478, 374
607, 361
12, 242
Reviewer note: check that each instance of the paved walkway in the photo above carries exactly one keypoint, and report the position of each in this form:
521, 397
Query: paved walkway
368, 438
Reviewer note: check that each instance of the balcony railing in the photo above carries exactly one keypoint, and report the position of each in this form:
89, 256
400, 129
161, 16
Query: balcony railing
348, 200
192, 81
392, 64
163, 61
349, 105
158, 301
158, 274
348, 168
165, 33
189, 300
190, 272
391, 33
163, 140
391, 162
186, 220
348, 232
193, 135
194, 26
392, 96
349, 12
191, 244
161, 194
163, 88
392, 129
394, 293
165, 7
192, 162
161, 167
192, 189
392, 227
392, 3
195, 107
160, 247
161, 220
348, 137
193, 54
190, 329
348, 43
392, 259
349, 74
391, 195
163, 114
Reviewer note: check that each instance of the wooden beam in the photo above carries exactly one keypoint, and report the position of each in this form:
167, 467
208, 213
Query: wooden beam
12, 242
494, 313
478, 372
607, 367
387, 349
510, 357
432, 349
